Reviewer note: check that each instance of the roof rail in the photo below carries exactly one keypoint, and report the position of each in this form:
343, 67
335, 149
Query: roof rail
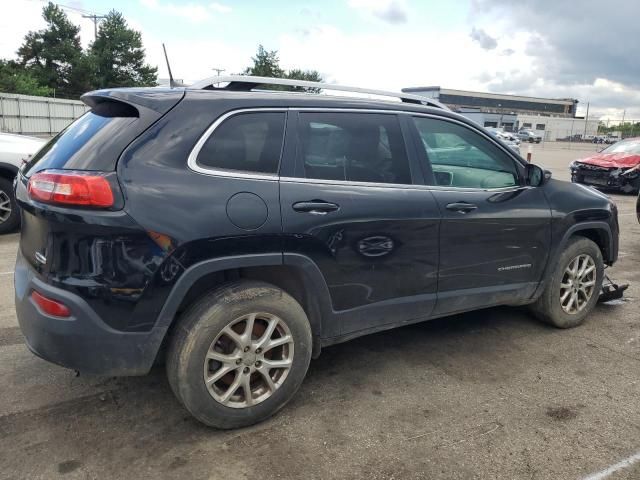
246, 83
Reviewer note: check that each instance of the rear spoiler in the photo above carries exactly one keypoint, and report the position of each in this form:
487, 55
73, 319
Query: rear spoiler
133, 102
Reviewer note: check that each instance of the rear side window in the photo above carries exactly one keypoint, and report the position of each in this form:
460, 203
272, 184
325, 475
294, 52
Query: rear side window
80, 146
248, 142
358, 147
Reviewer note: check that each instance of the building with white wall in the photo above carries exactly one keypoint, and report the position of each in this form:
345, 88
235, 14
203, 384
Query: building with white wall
553, 118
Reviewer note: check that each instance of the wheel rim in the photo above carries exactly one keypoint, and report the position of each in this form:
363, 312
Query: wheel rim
5, 206
578, 284
248, 360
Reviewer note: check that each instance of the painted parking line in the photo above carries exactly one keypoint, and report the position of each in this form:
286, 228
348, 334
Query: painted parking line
627, 462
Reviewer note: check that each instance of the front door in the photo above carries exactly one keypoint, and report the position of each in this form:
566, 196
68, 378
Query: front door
353, 210
496, 231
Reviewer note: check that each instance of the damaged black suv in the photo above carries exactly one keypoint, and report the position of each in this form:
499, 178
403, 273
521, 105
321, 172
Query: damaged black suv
233, 233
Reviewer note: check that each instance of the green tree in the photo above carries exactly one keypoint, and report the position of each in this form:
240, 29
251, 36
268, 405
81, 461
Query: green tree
52, 54
266, 63
119, 57
15, 79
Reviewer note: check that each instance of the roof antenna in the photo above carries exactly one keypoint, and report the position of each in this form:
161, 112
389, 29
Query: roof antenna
172, 83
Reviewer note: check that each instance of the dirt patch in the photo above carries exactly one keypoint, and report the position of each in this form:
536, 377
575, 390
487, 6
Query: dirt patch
562, 413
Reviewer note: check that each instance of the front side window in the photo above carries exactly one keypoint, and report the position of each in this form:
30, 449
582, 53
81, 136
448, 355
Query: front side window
358, 147
460, 157
248, 142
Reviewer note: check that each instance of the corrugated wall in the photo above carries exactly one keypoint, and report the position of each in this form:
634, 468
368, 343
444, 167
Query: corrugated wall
31, 115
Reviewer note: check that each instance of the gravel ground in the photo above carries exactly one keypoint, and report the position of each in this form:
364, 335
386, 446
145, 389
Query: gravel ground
489, 395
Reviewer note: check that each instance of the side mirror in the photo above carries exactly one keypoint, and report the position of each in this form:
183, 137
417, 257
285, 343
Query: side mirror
536, 176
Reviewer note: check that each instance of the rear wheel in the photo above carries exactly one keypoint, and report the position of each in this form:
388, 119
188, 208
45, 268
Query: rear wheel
239, 354
9, 214
574, 287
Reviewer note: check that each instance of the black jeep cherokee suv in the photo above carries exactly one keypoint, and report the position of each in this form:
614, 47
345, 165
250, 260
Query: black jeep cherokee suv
234, 233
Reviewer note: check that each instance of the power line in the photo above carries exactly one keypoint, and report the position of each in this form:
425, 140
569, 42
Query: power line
96, 19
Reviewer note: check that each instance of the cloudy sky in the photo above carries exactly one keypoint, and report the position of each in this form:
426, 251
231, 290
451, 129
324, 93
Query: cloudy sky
586, 49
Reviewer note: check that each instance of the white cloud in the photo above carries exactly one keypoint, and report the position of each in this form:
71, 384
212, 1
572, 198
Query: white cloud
24, 16
390, 11
362, 59
194, 12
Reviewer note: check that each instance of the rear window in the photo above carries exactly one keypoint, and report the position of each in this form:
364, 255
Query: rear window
80, 146
248, 142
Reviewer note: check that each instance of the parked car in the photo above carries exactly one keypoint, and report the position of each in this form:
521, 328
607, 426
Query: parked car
529, 136
500, 135
615, 167
236, 233
14, 149
510, 136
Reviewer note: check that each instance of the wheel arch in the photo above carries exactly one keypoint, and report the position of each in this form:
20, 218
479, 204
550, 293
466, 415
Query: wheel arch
8, 171
598, 232
296, 274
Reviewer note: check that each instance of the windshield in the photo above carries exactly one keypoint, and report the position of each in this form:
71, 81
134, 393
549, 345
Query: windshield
625, 146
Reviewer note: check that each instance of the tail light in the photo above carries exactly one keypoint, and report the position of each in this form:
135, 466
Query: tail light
88, 189
50, 306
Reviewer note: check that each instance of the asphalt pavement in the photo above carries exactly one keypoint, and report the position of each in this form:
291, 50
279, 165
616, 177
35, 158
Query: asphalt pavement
492, 394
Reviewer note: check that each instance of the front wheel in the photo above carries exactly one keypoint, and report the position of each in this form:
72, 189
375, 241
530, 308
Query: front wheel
239, 354
573, 288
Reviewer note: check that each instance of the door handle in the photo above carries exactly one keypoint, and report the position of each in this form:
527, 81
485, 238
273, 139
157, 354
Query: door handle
315, 207
461, 207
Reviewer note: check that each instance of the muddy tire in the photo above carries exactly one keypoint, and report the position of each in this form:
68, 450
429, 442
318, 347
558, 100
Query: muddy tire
573, 289
239, 354
9, 213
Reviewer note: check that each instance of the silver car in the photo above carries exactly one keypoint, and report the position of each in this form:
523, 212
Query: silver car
13, 150
505, 138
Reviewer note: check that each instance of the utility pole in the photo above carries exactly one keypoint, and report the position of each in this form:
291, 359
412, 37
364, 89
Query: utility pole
586, 120
218, 70
96, 19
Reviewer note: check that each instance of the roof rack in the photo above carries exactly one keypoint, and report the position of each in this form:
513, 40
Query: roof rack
246, 83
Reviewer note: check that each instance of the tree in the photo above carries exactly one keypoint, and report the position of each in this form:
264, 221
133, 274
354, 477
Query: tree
308, 75
15, 79
51, 55
119, 57
266, 63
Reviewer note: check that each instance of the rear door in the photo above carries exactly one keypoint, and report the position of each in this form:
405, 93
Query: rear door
351, 206
495, 232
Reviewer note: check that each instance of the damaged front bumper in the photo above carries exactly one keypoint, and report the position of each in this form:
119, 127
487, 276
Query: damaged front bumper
613, 178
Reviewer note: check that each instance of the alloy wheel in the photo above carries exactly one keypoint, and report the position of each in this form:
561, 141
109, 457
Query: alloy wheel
248, 360
5, 206
578, 284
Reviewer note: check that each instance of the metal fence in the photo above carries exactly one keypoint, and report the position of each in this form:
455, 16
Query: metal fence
43, 116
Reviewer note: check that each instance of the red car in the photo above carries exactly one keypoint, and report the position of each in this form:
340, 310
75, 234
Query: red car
616, 167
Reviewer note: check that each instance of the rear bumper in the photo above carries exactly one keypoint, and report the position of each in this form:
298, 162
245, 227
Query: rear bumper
82, 342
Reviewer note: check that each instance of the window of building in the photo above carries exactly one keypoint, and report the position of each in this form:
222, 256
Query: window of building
539, 126
526, 125
249, 142
358, 147
491, 124
460, 157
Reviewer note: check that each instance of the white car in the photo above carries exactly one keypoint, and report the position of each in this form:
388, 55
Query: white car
13, 150
506, 138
